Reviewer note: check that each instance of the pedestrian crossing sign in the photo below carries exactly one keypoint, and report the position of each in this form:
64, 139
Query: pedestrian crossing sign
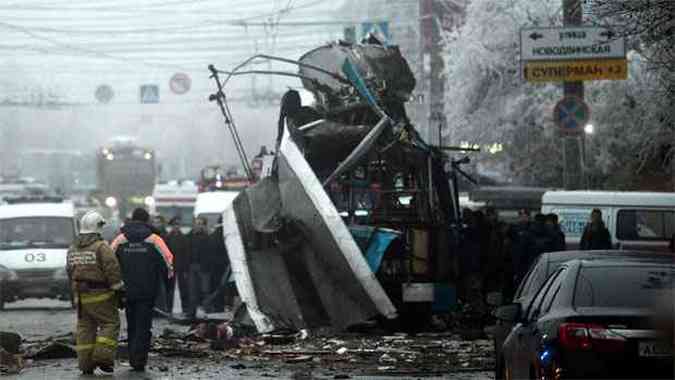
149, 93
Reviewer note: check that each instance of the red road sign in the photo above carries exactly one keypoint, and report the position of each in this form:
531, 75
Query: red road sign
180, 83
571, 114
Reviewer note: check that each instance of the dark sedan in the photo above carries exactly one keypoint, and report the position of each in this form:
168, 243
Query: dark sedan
540, 270
592, 319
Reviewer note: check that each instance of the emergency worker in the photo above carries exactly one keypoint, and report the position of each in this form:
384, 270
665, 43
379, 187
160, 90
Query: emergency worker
97, 286
146, 262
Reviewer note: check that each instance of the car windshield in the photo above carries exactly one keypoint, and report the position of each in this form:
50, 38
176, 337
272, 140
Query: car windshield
623, 286
45, 232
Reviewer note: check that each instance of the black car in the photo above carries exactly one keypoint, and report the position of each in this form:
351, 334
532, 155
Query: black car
540, 270
593, 319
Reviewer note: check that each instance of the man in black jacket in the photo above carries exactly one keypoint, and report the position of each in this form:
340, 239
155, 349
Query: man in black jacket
219, 264
198, 242
179, 246
596, 235
146, 262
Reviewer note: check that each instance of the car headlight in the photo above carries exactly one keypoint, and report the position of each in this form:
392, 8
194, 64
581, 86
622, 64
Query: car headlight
111, 202
149, 201
60, 274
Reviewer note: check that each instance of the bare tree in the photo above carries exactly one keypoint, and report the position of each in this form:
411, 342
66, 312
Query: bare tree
649, 24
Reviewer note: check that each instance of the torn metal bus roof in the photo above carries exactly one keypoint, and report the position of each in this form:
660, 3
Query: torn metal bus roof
294, 260
383, 69
309, 272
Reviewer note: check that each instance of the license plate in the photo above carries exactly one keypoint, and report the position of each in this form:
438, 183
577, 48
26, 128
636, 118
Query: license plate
655, 349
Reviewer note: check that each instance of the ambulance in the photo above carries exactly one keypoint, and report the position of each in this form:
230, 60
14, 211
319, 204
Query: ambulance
35, 235
174, 199
635, 220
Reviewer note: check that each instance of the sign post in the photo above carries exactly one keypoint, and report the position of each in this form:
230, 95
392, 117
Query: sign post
573, 154
572, 54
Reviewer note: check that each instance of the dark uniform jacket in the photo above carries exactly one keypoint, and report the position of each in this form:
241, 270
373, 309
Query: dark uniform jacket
595, 237
145, 260
179, 245
217, 252
199, 246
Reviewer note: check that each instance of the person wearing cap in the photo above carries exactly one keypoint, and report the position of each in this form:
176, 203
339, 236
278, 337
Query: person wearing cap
146, 261
96, 283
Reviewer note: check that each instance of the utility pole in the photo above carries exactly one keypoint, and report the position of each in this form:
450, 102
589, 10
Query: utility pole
573, 155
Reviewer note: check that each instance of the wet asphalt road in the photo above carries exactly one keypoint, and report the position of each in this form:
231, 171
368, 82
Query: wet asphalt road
39, 319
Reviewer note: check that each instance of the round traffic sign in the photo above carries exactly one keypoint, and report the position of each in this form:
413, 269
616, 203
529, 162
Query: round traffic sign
104, 93
571, 114
180, 83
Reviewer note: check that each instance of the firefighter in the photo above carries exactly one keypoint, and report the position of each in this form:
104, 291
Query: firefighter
96, 283
146, 262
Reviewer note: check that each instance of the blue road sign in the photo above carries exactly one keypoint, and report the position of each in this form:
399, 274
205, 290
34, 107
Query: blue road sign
149, 93
379, 29
571, 114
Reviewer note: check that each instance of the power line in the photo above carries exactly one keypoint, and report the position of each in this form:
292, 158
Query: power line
76, 48
63, 16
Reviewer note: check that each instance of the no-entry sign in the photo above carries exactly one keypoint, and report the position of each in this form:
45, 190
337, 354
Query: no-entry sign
571, 114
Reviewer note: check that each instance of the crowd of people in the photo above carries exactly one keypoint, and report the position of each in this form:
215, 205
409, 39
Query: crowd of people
494, 256
201, 264
137, 272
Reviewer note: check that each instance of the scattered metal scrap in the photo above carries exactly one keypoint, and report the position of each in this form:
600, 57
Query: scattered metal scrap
355, 354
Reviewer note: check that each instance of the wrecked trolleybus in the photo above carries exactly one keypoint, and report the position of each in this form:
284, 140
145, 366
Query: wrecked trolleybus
355, 220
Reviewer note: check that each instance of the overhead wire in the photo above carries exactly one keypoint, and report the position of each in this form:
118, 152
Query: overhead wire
123, 58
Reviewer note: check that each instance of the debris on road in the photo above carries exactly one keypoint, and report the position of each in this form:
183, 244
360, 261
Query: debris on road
10, 364
344, 354
54, 350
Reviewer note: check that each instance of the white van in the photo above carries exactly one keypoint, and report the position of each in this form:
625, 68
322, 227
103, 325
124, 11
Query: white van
211, 205
635, 220
34, 241
175, 199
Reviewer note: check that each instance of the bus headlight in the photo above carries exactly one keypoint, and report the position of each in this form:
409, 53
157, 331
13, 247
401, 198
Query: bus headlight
111, 202
149, 201
148, 156
110, 157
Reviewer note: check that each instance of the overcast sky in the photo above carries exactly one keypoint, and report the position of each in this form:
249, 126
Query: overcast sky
72, 46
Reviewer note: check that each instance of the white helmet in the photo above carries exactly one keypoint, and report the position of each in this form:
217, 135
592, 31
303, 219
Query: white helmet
92, 223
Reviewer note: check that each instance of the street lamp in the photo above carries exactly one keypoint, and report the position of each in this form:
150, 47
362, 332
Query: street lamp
589, 129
